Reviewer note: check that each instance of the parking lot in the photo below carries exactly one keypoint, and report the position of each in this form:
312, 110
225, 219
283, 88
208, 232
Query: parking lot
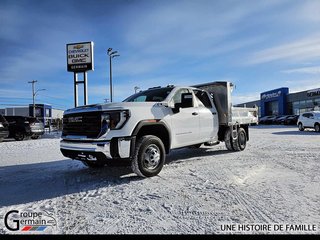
274, 181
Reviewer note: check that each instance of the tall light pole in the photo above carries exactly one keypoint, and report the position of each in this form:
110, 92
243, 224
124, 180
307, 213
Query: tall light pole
136, 88
34, 93
111, 54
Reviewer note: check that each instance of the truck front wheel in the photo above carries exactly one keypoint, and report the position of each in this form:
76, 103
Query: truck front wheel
149, 156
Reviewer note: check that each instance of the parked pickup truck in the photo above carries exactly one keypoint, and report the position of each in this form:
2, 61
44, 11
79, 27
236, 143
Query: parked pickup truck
147, 125
21, 127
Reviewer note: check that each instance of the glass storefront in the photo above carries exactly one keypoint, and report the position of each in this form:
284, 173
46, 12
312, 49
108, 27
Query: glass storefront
272, 108
302, 106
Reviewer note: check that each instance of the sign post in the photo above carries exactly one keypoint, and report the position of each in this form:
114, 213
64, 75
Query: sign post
80, 60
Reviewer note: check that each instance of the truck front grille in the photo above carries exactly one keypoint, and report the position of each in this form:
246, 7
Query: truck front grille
82, 124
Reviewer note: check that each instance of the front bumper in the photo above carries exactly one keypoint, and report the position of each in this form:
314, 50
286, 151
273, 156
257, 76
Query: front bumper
117, 148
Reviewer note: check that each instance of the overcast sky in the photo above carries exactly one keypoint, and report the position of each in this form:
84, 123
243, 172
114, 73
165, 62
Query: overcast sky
258, 45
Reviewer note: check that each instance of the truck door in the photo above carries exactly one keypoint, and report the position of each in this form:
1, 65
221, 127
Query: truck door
185, 119
208, 117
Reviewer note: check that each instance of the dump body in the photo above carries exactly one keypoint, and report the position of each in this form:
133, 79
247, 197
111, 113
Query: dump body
228, 115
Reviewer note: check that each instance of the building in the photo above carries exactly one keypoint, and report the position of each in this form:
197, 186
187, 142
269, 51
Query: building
43, 112
280, 102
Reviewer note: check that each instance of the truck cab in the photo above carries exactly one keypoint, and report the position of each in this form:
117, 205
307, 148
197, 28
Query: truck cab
189, 112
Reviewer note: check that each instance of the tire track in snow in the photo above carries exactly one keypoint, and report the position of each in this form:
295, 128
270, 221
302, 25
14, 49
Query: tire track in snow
256, 212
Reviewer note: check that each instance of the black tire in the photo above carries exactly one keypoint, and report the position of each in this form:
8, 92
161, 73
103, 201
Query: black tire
240, 143
19, 136
228, 140
317, 127
93, 164
149, 156
300, 126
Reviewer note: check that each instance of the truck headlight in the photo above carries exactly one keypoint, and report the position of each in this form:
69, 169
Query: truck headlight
1, 126
113, 120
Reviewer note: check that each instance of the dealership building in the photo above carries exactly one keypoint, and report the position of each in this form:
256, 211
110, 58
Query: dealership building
280, 102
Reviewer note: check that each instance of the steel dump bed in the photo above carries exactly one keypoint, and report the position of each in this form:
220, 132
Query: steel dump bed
228, 115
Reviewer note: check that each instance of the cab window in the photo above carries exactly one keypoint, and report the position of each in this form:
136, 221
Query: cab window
203, 97
177, 97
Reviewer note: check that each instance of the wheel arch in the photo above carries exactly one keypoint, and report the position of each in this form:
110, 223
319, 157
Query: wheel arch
156, 128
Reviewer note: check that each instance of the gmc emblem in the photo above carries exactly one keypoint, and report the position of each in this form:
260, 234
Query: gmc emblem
75, 119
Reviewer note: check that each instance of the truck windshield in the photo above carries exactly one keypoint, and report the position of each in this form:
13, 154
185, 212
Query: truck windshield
150, 95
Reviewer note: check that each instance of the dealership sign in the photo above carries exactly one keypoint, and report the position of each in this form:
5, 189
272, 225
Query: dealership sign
314, 92
80, 57
266, 96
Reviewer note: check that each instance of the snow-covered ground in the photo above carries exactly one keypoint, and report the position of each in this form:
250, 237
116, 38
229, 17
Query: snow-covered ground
275, 181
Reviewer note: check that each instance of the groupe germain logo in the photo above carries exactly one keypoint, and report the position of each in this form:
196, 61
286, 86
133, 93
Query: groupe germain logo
78, 46
29, 221
267, 96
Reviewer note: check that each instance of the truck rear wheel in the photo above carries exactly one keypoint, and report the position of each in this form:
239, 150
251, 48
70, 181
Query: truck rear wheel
149, 156
240, 143
228, 140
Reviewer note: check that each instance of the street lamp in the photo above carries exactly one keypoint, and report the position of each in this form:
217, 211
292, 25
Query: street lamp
111, 54
136, 89
34, 93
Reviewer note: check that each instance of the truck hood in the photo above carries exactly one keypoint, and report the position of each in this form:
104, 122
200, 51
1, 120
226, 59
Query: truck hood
112, 106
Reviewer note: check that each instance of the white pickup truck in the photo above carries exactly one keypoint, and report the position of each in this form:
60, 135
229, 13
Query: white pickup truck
144, 127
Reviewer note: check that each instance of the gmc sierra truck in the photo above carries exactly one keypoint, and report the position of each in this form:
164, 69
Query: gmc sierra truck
147, 125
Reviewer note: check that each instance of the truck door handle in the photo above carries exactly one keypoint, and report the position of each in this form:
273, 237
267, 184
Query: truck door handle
194, 113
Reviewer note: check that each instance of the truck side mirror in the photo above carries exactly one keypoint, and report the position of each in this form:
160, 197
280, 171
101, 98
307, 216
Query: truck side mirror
176, 108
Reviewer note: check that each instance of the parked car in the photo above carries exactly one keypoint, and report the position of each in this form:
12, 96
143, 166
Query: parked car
271, 119
24, 127
263, 120
280, 119
290, 120
309, 120
4, 131
275, 120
